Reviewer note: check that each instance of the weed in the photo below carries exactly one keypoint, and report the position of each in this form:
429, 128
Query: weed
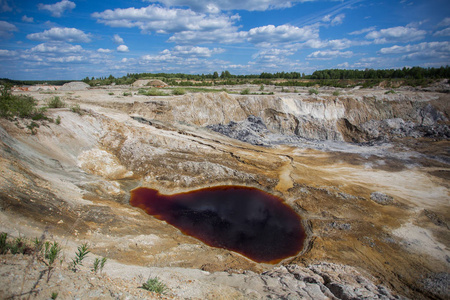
154, 285
32, 127
51, 253
3, 243
102, 263
245, 91
58, 120
99, 264
127, 94
83, 250
390, 92
336, 93
261, 88
76, 109
151, 92
54, 295
56, 102
179, 91
313, 91
110, 93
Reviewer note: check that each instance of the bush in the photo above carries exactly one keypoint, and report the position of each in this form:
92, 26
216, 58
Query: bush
154, 285
110, 93
12, 106
313, 91
245, 92
76, 109
127, 94
56, 102
178, 91
152, 92
336, 93
390, 92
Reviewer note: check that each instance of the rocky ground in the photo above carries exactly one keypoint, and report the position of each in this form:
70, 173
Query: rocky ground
367, 170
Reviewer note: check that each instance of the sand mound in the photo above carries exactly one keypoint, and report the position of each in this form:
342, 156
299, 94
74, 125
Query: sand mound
74, 86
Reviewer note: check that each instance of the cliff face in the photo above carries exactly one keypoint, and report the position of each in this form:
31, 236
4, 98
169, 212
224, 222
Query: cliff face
367, 171
351, 118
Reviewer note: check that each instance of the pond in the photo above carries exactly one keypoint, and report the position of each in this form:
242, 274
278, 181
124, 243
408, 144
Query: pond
246, 220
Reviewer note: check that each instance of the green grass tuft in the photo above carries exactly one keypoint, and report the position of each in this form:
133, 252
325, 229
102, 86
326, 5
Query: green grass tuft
154, 285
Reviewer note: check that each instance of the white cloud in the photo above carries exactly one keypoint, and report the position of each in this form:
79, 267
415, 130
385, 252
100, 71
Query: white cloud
329, 54
27, 19
101, 50
399, 34
60, 34
225, 36
422, 51
58, 8
6, 29
122, 48
281, 34
216, 6
117, 39
364, 30
66, 59
163, 20
56, 48
195, 51
4, 6
444, 23
443, 32
337, 20
7, 53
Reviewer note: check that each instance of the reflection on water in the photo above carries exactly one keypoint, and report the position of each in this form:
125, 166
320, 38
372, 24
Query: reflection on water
245, 220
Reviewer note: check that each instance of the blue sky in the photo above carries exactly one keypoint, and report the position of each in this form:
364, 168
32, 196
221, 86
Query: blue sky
72, 39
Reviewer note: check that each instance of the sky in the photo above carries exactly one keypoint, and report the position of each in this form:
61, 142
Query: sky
72, 39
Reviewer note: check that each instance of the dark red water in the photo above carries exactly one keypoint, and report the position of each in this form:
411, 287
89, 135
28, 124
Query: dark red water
245, 220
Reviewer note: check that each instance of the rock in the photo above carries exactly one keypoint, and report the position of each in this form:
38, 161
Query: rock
74, 86
381, 198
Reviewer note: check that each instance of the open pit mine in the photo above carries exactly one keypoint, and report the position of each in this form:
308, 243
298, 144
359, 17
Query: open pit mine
339, 195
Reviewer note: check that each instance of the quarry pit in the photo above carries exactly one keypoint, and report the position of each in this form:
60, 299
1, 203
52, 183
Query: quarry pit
366, 170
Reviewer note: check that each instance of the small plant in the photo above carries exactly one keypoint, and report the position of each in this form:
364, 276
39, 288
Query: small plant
336, 93
154, 285
127, 94
152, 92
3, 243
178, 91
110, 93
245, 91
54, 295
76, 109
261, 88
56, 102
390, 92
58, 120
51, 253
32, 127
99, 264
313, 91
79, 256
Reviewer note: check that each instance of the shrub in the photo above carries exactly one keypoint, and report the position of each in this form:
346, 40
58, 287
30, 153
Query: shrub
245, 92
154, 285
127, 94
110, 93
56, 102
76, 109
313, 91
336, 93
11, 105
152, 92
178, 91
390, 92
58, 120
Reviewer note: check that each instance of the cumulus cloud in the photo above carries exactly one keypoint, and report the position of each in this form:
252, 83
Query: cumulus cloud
27, 19
6, 29
66, 59
281, 34
56, 48
422, 51
4, 6
101, 50
123, 48
216, 6
7, 53
163, 20
60, 34
444, 32
399, 34
195, 51
364, 30
117, 39
444, 23
58, 8
329, 54
337, 20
